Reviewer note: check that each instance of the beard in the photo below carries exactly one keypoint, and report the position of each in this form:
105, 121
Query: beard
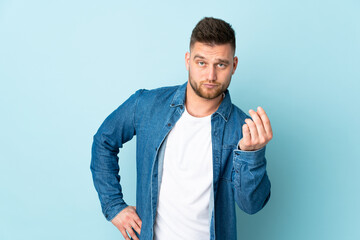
207, 93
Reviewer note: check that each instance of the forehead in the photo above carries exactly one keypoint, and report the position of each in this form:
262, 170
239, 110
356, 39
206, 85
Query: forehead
212, 51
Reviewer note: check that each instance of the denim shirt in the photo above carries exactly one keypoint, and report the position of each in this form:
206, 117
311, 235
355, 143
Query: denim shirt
238, 176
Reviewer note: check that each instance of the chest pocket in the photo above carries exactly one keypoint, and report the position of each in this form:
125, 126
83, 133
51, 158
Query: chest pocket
227, 162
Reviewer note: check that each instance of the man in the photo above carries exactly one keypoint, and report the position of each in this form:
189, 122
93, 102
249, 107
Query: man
197, 153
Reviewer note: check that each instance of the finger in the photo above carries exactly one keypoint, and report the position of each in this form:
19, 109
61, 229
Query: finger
259, 124
138, 220
253, 130
135, 226
123, 232
266, 121
246, 134
132, 233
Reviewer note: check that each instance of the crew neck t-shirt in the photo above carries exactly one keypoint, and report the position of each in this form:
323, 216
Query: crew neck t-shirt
183, 204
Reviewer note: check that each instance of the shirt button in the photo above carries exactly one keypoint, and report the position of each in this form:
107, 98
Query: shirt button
181, 107
169, 124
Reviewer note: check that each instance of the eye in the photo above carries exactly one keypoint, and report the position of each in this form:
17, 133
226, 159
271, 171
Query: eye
221, 65
201, 63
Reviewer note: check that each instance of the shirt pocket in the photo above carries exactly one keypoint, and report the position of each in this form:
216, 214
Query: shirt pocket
227, 161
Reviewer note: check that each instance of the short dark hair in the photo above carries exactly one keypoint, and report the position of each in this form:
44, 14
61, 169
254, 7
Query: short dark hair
213, 31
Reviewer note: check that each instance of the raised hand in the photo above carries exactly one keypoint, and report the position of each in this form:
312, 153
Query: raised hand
256, 133
126, 221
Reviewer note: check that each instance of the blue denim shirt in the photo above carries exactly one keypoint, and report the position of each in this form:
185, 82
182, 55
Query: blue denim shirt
238, 176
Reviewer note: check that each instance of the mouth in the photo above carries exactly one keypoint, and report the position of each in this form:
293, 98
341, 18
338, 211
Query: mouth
210, 85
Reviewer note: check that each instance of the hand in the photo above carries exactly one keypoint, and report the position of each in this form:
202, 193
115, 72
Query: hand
256, 133
126, 221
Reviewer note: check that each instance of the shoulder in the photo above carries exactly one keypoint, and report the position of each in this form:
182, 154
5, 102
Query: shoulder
159, 96
159, 92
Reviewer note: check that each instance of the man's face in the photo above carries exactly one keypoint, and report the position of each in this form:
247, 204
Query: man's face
210, 68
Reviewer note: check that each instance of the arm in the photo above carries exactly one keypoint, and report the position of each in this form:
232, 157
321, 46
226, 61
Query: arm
117, 129
251, 183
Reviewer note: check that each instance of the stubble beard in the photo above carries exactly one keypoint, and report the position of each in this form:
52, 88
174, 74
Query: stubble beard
210, 94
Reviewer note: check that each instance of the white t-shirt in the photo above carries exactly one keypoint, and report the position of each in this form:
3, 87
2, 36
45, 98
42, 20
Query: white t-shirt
183, 206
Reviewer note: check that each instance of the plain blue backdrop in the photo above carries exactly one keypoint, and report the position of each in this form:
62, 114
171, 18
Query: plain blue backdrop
66, 65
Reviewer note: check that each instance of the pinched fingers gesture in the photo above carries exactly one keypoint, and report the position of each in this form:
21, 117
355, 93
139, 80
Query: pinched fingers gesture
127, 221
257, 132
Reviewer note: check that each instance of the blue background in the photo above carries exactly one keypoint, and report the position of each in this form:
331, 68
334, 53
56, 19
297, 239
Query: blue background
66, 65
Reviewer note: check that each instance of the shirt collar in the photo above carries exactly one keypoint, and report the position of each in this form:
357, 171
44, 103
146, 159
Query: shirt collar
179, 97
224, 109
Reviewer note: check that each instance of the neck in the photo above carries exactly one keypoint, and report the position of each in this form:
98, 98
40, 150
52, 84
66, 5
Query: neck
198, 106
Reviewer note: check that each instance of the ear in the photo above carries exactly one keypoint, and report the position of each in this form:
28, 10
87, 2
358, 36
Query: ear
187, 60
235, 64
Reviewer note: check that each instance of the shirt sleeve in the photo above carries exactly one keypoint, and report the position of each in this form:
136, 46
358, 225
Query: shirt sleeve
250, 180
117, 129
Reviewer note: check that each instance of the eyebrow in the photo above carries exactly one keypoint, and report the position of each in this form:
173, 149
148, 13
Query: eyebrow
218, 59
199, 56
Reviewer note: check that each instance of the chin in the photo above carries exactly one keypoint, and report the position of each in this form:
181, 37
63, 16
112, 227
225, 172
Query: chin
211, 95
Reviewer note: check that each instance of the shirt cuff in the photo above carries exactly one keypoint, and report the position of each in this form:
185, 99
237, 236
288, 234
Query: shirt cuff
251, 157
115, 210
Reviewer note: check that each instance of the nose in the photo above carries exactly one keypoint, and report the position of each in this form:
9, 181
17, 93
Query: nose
212, 74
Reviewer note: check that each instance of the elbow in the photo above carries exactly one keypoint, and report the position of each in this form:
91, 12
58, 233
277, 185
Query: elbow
251, 210
257, 208
253, 206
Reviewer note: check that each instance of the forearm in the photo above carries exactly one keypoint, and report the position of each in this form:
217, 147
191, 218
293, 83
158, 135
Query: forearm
117, 129
104, 168
250, 180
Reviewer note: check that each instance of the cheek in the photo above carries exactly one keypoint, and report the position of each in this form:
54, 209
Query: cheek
221, 75
196, 72
226, 75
